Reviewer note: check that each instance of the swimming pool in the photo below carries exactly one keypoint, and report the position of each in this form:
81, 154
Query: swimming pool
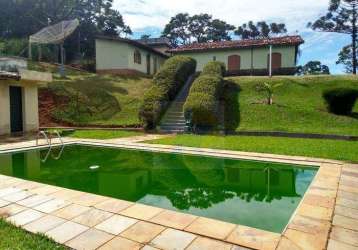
256, 194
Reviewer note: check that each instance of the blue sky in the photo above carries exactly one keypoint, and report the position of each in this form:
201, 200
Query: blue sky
150, 17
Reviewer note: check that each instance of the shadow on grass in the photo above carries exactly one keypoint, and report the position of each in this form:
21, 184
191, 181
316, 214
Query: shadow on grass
231, 105
354, 115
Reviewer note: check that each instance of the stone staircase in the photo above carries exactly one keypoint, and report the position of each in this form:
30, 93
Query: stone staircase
174, 121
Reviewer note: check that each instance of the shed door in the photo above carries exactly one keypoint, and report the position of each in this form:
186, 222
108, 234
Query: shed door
16, 109
234, 63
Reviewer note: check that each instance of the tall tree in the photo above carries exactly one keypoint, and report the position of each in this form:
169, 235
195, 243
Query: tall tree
219, 31
313, 68
177, 30
341, 18
259, 30
185, 29
345, 57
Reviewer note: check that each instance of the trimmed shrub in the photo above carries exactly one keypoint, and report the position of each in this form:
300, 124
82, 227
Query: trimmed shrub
202, 104
214, 68
166, 85
340, 101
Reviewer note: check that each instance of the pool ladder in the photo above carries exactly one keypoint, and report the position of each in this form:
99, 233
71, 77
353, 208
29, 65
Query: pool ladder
49, 143
48, 137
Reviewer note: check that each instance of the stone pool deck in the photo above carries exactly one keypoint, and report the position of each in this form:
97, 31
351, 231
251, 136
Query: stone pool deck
327, 217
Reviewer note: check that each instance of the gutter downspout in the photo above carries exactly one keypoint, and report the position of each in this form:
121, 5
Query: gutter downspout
270, 62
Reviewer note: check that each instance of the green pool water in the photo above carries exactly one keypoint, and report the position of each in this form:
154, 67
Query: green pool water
256, 194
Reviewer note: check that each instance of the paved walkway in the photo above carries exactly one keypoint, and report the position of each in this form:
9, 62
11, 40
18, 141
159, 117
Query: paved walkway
326, 218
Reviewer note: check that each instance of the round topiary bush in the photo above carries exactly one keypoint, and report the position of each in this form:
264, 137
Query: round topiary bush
214, 68
340, 101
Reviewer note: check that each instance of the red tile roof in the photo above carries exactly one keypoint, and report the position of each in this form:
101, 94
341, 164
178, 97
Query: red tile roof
238, 44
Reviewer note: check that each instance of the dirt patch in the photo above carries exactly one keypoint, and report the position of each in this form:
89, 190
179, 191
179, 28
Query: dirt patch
47, 104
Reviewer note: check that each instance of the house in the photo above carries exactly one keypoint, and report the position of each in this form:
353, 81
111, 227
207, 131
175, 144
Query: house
247, 57
19, 96
116, 55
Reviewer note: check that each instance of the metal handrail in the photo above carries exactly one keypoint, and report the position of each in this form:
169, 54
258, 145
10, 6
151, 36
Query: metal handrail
46, 137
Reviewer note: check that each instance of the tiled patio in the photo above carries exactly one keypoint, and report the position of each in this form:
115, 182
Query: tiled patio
327, 217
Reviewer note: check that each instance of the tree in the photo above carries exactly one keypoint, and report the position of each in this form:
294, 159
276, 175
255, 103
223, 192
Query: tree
145, 37
177, 30
21, 18
269, 88
184, 29
260, 30
341, 18
345, 57
313, 68
219, 31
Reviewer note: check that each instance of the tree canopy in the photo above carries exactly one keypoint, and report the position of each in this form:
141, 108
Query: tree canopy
341, 18
21, 18
185, 29
259, 30
345, 57
313, 68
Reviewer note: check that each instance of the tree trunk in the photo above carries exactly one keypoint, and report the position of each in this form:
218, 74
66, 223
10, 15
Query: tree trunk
354, 39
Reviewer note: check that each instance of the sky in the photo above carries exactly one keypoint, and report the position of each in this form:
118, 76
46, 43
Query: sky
150, 17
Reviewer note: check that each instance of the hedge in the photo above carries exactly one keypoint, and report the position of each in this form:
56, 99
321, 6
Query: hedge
340, 101
214, 68
166, 85
202, 104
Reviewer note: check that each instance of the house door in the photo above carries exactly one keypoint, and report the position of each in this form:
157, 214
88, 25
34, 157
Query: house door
276, 61
148, 64
234, 63
16, 121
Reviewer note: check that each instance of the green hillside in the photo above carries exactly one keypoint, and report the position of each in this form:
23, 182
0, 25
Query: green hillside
86, 99
298, 107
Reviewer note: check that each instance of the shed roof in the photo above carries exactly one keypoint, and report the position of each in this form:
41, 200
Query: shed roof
238, 44
132, 42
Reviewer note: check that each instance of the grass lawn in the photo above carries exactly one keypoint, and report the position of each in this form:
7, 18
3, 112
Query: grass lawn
329, 149
12, 237
103, 134
91, 99
299, 106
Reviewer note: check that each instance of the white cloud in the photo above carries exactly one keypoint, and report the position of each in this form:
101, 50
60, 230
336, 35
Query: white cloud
141, 13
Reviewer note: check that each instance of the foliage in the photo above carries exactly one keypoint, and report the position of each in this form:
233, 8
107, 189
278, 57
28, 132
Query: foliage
185, 29
13, 237
20, 19
313, 68
260, 30
341, 18
328, 149
166, 85
214, 68
269, 88
345, 57
202, 104
340, 101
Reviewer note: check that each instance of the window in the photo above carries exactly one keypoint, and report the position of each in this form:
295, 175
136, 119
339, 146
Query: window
137, 57
214, 58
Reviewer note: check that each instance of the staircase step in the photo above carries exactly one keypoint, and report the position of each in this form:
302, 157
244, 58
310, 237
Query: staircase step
170, 120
